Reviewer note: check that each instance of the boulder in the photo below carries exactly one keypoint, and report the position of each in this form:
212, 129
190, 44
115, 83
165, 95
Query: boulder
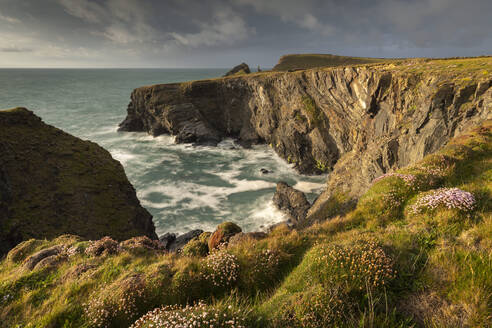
291, 201
183, 239
198, 246
36, 258
240, 69
166, 239
222, 234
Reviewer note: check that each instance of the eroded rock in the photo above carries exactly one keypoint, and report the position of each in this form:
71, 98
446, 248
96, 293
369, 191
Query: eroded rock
36, 258
183, 239
291, 201
222, 234
242, 68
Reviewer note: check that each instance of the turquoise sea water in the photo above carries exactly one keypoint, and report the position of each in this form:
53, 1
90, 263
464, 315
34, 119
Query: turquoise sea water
184, 187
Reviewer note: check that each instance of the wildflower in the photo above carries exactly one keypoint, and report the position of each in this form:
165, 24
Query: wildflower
408, 178
451, 198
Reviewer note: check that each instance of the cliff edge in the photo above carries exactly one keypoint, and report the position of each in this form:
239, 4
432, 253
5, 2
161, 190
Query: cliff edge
357, 121
52, 183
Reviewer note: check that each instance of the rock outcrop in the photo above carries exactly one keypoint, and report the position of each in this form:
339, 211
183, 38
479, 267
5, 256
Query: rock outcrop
240, 69
222, 234
52, 183
358, 122
291, 201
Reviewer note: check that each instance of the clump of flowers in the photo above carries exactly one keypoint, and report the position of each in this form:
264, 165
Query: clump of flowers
265, 266
325, 307
409, 179
199, 315
141, 243
364, 264
393, 199
451, 198
98, 311
222, 268
122, 303
103, 246
438, 165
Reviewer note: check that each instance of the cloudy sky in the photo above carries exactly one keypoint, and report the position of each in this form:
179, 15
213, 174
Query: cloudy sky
222, 33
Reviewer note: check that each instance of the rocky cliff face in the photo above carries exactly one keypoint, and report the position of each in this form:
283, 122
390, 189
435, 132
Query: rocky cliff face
52, 183
358, 122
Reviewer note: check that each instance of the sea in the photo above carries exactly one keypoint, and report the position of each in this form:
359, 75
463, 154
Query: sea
183, 186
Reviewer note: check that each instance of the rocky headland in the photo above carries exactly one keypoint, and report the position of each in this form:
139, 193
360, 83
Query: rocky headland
52, 183
400, 238
357, 122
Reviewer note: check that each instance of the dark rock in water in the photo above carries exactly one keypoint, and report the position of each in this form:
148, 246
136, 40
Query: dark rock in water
265, 171
291, 201
52, 183
222, 234
240, 69
183, 239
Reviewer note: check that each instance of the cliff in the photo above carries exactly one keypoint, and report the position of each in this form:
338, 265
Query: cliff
357, 121
52, 183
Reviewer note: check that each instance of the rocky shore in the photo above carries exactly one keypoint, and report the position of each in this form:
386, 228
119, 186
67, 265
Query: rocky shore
356, 122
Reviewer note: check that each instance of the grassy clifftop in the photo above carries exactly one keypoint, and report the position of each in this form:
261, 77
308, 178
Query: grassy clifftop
305, 61
53, 183
415, 252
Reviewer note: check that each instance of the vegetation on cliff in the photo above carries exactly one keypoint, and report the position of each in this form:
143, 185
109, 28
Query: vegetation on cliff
415, 251
306, 61
52, 183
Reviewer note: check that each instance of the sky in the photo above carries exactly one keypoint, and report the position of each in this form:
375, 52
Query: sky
223, 33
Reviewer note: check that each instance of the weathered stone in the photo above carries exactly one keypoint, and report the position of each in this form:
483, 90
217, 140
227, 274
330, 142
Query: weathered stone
291, 201
50, 261
166, 239
34, 259
183, 239
198, 246
242, 68
222, 234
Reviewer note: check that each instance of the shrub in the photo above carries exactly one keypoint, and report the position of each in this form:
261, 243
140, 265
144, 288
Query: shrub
103, 246
198, 246
221, 269
409, 179
361, 264
316, 307
119, 304
199, 315
450, 198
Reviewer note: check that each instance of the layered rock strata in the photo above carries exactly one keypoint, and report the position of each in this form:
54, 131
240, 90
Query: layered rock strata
358, 122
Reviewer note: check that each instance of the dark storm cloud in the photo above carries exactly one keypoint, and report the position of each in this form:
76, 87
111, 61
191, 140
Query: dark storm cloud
223, 32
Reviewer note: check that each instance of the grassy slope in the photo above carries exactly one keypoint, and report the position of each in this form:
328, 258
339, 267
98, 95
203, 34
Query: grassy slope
305, 61
436, 266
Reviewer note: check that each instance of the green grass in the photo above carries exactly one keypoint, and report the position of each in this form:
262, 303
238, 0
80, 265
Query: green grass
376, 265
305, 61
